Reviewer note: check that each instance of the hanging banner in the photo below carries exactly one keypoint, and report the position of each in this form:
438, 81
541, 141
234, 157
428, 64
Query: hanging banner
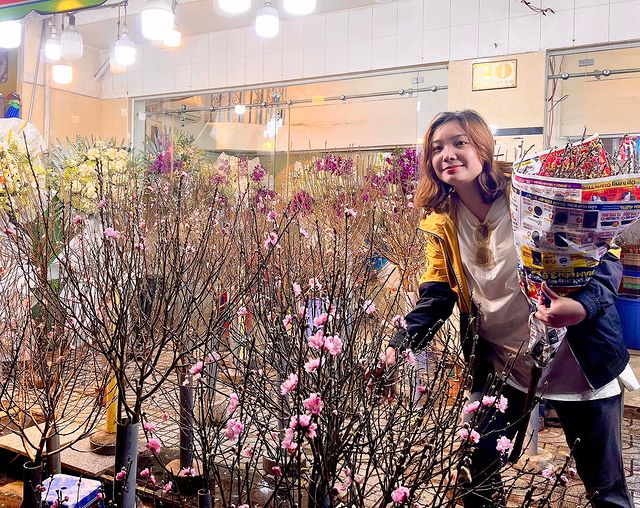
17, 9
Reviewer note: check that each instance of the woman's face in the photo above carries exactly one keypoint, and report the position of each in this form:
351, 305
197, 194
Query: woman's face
453, 157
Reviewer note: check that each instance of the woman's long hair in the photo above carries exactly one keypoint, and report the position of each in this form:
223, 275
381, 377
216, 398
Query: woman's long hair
432, 192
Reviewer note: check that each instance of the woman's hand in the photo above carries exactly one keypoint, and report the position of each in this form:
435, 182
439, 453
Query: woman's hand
562, 311
383, 380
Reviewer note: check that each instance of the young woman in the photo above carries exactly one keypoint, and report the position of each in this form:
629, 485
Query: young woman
472, 261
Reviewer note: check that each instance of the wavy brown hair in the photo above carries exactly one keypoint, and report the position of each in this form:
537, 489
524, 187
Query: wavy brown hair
432, 193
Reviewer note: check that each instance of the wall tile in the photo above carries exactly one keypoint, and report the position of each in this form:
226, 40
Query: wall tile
218, 45
254, 44
292, 64
236, 43
383, 52
273, 44
385, 19
106, 86
218, 74
313, 31
199, 48
493, 38
559, 5
589, 3
182, 54
410, 16
524, 34
492, 10
166, 57
360, 24
200, 76
254, 69
464, 42
166, 81
592, 24
517, 9
149, 57
292, 37
182, 76
624, 23
134, 83
236, 71
119, 85
337, 27
556, 31
313, 61
435, 45
273, 66
409, 49
336, 58
359, 55
464, 12
437, 14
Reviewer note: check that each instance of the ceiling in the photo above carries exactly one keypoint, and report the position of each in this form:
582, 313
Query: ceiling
192, 17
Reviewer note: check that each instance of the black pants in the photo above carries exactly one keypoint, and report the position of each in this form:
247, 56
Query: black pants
598, 456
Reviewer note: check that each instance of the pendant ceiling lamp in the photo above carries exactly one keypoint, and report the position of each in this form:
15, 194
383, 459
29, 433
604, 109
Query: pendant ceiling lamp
299, 7
125, 49
234, 6
52, 46
267, 21
62, 73
10, 34
157, 19
71, 44
173, 40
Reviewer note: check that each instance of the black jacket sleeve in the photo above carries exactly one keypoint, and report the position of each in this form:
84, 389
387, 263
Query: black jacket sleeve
434, 307
602, 288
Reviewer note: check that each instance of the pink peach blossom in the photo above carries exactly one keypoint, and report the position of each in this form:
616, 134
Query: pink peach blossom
289, 384
313, 404
400, 495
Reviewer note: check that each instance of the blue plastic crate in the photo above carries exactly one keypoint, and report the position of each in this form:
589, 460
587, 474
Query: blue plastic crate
629, 310
82, 493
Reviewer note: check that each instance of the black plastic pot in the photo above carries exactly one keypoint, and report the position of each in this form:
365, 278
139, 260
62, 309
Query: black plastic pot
32, 479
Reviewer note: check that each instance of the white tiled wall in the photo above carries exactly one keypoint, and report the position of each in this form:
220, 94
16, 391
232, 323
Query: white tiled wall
396, 34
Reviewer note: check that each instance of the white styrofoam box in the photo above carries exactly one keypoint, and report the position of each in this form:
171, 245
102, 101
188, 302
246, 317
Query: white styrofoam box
517, 9
182, 77
360, 24
217, 45
556, 31
385, 19
623, 23
464, 42
437, 14
254, 44
493, 37
292, 65
292, 37
360, 55
313, 31
199, 76
524, 34
236, 71
199, 48
592, 24
272, 66
149, 57
313, 61
236, 43
409, 49
435, 45
254, 69
134, 83
464, 12
166, 58
218, 74
383, 52
492, 10
410, 16
336, 58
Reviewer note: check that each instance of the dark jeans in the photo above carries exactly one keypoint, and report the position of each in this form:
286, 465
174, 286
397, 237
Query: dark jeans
598, 456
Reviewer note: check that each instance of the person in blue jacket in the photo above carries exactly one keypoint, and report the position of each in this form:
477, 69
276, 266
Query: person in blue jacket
472, 262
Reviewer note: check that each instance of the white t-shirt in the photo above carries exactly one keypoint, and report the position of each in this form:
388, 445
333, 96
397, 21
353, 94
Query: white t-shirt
503, 311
